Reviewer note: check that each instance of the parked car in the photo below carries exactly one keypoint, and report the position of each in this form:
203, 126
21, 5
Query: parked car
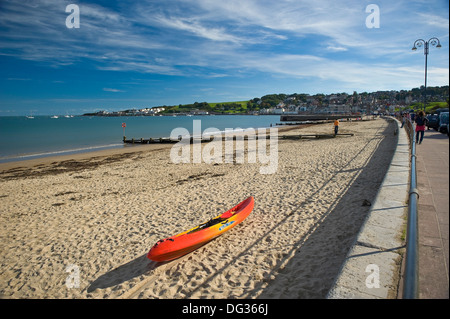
443, 122
439, 111
433, 121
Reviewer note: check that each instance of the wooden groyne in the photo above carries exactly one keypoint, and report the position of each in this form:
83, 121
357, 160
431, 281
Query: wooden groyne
303, 136
160, 140
166, 140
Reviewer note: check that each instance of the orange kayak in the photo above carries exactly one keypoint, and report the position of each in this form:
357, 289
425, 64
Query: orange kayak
185, 242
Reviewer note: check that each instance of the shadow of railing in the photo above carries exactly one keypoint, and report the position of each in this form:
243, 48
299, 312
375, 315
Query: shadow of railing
318, 273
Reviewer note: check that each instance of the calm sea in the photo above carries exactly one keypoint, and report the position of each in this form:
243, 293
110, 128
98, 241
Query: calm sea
24, 138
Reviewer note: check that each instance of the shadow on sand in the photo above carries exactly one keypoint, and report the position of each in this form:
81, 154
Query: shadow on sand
319, 257
126, 272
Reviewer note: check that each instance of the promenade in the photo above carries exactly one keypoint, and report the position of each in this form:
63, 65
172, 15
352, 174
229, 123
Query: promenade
378, 240
432, 165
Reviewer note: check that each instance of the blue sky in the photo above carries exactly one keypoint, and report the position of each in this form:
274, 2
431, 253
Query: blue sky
165, 52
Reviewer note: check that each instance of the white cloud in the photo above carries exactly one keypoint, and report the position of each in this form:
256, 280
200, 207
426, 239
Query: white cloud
335, 48
435, 20
195, 27
218, 39
112, 90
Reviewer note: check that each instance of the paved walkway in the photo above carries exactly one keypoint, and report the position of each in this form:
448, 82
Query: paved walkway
378, 246
371, 268
432, 164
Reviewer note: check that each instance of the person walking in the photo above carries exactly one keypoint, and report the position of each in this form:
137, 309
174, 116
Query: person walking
403, 120
336, 126
420, 121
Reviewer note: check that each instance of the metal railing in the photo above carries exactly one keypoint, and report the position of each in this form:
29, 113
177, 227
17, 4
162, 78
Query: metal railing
411, 274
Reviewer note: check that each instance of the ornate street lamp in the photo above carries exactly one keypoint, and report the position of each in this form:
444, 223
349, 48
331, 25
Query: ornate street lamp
418, 43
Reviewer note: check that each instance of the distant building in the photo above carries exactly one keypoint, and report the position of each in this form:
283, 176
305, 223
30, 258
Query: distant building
198, 112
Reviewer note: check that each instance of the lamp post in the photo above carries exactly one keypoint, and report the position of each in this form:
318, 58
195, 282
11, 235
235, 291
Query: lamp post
418, 43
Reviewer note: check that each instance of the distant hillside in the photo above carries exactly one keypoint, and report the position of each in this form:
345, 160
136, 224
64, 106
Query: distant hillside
220, 107
363, 102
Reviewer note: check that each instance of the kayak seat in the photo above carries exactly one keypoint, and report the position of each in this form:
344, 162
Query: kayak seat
226, 215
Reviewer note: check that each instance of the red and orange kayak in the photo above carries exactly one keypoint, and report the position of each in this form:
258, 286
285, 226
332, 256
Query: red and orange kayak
185, 242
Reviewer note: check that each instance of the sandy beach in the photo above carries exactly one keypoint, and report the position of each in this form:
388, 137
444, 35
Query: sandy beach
95, 216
